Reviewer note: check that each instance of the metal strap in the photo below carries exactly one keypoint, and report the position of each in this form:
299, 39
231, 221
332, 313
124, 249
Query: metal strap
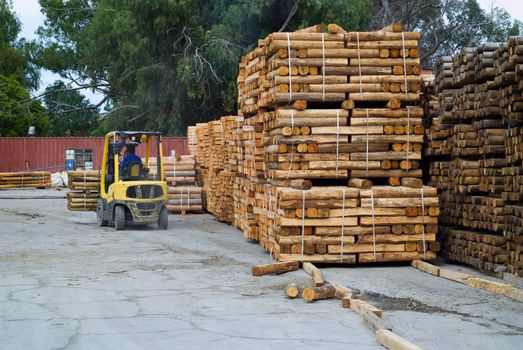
373, 227
408, 138
367, 146
337, 139
323, 64
423, 222
359, 60
404, 65
303, 225
289, 59
292, 144
342, 225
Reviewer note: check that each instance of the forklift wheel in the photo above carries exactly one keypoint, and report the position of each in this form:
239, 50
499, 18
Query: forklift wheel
163, 219
119, 218
100, 214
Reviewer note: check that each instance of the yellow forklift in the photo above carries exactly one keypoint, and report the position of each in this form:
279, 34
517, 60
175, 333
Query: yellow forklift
127, 193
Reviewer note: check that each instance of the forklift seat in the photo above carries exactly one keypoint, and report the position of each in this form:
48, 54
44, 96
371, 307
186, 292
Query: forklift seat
134, 171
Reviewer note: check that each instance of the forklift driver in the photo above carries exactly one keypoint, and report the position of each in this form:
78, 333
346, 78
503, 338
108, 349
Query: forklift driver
130, 157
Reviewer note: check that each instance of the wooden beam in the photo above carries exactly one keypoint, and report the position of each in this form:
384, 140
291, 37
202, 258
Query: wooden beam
393, 341
276, 268
374, 322
361, 307
426, 267
315, 273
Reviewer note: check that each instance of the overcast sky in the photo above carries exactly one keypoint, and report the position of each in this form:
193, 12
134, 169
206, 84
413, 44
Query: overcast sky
29, 13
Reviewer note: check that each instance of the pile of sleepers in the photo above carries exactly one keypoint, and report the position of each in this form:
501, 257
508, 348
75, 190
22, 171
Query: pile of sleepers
23, 179
84, 187
477, 149
323, 164
216, 180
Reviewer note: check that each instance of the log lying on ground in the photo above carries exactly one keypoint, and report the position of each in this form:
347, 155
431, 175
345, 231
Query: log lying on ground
318, 293
276, 268
292, 290
393, 341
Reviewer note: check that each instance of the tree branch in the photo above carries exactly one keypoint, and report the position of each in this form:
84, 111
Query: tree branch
291, 14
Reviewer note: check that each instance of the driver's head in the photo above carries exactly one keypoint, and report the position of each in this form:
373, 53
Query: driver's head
130, 149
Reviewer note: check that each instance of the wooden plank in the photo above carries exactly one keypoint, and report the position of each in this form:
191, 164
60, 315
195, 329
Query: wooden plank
362, 307
374, 322
426, 267
454, 275
393, 341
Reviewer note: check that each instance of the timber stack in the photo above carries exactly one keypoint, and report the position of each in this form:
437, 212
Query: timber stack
185, 195
25, 179
323, 163
216, 180
475, 145
191, 140
84, 187
177, 169
184, 199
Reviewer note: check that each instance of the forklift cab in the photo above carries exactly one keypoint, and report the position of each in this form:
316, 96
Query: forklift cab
127, 194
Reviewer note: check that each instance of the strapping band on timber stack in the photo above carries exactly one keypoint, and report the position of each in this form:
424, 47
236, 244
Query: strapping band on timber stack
84, 187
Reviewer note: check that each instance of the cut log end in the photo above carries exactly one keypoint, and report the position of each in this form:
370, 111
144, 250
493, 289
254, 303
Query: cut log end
292, 290
348, 104
319, 293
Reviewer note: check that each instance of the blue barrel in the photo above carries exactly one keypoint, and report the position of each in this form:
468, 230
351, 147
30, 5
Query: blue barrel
69, 164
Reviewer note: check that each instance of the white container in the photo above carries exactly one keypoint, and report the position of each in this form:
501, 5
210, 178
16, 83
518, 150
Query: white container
69, 154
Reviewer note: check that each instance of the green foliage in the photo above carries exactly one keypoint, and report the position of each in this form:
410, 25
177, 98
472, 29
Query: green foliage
169, 63
69, 111
9, 24
18, 111
17, 74
447, 26
166, 64
14, 60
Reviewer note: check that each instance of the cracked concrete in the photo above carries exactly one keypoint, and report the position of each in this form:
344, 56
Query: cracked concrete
68, 284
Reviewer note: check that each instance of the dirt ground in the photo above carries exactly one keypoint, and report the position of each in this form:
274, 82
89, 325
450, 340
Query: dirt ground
68, 284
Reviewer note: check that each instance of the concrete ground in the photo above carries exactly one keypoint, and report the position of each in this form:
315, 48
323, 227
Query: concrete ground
68, 284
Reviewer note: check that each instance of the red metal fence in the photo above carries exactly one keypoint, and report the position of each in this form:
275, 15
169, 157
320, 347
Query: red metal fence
21, 153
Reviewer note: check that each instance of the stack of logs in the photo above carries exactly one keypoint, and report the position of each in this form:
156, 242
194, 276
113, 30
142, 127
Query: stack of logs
84, 186
180, 173
348, 225
37, 179
322, 115
476, 147
191, 140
